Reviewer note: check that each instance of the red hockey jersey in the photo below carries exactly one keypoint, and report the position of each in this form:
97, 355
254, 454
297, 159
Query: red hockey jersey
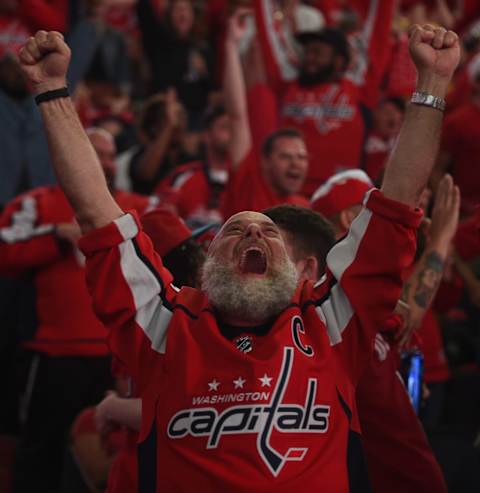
273, 419
66, 323
328, 116
195, 191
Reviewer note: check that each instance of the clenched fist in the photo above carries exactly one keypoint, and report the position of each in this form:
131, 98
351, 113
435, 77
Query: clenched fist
436, 54
44, 60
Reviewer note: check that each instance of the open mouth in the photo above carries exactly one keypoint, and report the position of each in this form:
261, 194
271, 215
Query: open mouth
292, 175
253, 261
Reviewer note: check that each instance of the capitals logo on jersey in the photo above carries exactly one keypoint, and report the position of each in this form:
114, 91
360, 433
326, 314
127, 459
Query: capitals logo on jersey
265, 414
328, 111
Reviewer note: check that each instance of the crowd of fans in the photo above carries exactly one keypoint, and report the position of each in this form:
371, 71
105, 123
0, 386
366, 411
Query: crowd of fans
198, 110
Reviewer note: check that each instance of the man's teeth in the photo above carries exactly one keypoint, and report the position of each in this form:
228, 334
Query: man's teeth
252, 249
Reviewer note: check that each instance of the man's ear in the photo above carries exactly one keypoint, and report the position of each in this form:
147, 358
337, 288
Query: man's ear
308, 269
345, 219
347, 216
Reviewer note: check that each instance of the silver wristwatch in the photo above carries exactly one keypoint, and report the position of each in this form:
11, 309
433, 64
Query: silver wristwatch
428, 100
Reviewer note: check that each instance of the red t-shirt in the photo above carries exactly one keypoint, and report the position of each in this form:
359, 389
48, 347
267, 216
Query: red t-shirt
248, 190
277, 418
461, 140
332, 125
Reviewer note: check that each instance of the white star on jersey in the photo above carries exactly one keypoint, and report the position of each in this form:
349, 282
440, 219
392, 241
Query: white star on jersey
239, 383
266, 380
213, 385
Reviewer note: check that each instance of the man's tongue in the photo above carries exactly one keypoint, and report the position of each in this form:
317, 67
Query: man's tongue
253, 262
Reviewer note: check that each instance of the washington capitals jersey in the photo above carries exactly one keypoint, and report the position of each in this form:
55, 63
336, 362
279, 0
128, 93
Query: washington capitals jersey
277, 417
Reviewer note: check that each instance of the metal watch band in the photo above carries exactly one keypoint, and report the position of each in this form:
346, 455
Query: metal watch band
428, 100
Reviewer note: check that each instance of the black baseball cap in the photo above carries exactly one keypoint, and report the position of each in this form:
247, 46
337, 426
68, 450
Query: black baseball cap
329, 35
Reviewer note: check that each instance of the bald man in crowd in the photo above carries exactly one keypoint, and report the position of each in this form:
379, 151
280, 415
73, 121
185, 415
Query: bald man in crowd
254, 374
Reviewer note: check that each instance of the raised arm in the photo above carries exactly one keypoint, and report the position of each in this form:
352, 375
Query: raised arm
44, 60
421, 287
234, 89
436, 54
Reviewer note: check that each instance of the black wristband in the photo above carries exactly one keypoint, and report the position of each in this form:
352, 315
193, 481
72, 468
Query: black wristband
49, 95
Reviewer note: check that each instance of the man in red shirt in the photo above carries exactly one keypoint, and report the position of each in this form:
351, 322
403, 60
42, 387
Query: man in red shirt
247, 384
259, 179
319, 97
70, 362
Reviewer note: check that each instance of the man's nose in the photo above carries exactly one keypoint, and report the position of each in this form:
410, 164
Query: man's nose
253, 231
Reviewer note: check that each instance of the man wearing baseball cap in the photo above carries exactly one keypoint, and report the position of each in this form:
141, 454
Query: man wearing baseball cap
340, 198
324, 95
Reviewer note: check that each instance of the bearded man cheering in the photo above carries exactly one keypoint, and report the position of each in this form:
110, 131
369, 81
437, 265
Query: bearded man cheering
248, 384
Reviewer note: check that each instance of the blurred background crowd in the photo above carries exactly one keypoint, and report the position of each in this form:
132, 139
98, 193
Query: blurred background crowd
179, 98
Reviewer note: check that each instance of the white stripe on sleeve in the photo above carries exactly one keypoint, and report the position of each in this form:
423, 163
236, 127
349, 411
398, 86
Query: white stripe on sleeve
127, 226
151, 315
336, 311
344, 252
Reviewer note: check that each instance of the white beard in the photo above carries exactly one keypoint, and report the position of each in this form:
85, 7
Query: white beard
251, 299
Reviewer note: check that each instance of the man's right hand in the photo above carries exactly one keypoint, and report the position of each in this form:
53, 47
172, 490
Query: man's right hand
436, 54
44, 60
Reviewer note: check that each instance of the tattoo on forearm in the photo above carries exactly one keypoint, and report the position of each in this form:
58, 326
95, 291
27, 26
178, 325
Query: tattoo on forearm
405, 292
428, 279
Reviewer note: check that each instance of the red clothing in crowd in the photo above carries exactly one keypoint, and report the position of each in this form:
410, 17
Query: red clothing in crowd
195, 192
461, 91
248, 190
328, 116
66, 323
212, 415
50, 15
377, 150
13, 34
432, 347
467, 237
123, 474
461, 141
398, 455
401, 73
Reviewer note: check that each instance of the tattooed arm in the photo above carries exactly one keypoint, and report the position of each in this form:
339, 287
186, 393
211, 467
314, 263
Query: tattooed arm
422, 285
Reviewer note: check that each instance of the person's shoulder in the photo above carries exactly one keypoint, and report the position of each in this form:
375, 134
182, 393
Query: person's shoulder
48, 192
185, 172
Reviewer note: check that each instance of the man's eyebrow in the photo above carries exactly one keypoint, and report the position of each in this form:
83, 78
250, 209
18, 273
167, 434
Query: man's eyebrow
269, 223
237, 222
